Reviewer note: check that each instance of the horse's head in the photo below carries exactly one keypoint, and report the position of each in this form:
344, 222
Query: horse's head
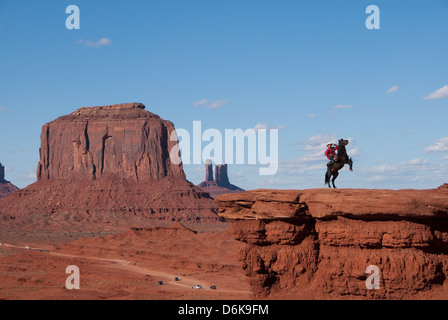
343, 142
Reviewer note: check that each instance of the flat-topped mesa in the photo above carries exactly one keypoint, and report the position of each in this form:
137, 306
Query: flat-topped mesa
121, 140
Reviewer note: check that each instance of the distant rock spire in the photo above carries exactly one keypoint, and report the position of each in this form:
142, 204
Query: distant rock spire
209, 170
6, 187
221, 177
2, 172
220, 184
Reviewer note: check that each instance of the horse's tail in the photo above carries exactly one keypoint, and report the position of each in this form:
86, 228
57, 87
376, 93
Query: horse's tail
327, 177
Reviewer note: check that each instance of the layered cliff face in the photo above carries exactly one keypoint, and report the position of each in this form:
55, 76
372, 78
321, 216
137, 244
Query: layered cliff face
317, 244
120, 140
109, 164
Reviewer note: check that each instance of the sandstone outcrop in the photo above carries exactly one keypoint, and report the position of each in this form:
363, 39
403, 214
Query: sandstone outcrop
220, 184
105, 164
120, 140
317, 243
6, 187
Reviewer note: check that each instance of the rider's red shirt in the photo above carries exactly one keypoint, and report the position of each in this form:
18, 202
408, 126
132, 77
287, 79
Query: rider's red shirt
331, 151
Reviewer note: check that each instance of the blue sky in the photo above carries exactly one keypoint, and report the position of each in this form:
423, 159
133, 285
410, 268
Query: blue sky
311, 68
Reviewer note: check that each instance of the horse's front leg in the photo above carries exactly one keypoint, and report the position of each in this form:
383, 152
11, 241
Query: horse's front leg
350, 163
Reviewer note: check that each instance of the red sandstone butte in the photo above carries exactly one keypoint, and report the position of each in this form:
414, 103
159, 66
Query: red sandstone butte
108, 164
120, 140
317, 243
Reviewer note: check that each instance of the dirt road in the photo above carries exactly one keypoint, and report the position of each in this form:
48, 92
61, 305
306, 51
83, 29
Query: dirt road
166, 277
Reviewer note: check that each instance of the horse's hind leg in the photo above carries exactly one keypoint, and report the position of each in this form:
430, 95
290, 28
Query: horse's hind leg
328, 177
335, 175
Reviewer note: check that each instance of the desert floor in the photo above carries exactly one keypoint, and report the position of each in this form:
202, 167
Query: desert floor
123, 265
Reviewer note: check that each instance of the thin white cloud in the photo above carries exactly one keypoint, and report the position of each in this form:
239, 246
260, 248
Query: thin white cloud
312, 116
259, 126
404, 171
2, 109
352, 151
393, 89
265, 126
26, 177
376, 178
210, 104
200, 102
302, 165
99, 43
438, 94
217, 104
416, 161
384, 168
319, 140
316, 146
440, 146
343, 106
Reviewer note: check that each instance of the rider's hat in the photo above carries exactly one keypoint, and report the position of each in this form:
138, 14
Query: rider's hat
329, 144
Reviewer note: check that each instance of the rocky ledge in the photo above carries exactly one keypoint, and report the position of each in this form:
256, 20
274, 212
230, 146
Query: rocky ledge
318, 243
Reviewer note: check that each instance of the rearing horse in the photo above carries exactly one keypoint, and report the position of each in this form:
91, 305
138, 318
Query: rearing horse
341, 159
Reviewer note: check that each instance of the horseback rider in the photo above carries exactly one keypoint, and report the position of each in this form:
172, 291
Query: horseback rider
337, 161
331, 152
